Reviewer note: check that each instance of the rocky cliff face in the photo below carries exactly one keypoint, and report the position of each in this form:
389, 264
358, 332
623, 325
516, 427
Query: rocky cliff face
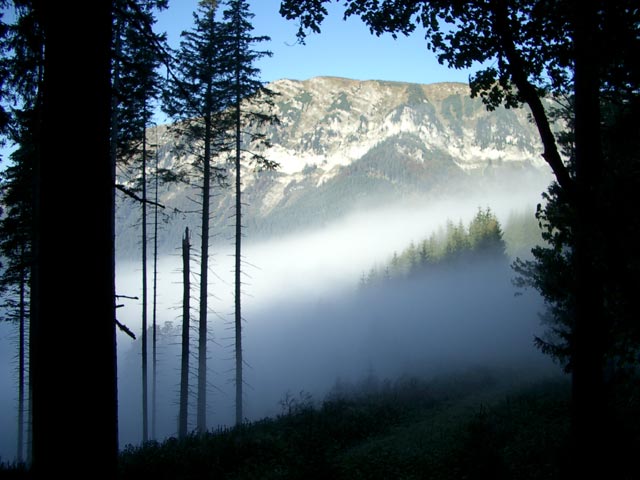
332, 122
344, 145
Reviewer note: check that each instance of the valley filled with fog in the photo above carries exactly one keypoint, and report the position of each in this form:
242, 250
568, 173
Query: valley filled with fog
216, 265
426, 157
308, 324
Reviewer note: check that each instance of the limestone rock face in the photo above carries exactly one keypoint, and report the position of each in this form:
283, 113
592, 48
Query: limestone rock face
343, 145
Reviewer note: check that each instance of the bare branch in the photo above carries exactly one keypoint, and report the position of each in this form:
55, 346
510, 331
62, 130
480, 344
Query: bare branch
125, 329
132, 194
127, 297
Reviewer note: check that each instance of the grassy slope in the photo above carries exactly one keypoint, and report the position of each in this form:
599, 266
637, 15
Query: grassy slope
478, 425
470, 426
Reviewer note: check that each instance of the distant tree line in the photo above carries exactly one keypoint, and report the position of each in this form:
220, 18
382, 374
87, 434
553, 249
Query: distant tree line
456, 245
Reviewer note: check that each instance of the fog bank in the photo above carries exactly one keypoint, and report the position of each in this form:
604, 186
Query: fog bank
307, 324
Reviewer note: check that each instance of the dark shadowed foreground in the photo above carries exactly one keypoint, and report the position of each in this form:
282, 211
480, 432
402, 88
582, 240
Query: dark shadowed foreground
478, 424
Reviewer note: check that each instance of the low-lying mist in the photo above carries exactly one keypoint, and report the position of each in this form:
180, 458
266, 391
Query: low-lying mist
309, 325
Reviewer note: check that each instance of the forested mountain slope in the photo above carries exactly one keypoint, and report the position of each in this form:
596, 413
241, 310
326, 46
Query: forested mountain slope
346, 145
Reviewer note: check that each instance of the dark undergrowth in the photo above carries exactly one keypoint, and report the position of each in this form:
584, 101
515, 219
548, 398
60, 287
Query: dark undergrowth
471, 426
465, 426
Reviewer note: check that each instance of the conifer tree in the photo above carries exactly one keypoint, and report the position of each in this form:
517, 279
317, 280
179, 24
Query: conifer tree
154, 388
485, 235
395, 264
15, 247
137, 84
412, 258
248, 101
423, 254
4, 75
21, 70
183, 413
457, 241
196, 98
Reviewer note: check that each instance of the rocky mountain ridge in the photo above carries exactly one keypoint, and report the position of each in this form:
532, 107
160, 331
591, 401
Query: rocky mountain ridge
334, 121
345, 144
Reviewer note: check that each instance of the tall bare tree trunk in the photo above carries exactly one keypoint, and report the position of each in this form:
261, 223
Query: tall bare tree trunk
238, 261
183, 415
201, 419
22, 317
145, 341
154, 404
145, 299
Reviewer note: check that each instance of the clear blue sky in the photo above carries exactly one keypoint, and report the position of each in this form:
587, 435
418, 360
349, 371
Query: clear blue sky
344, 48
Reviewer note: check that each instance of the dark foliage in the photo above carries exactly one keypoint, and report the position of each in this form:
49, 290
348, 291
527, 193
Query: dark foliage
550, 271
478, 424
460, 427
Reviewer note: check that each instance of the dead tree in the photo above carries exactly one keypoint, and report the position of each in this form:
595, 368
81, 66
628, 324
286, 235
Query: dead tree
184, 367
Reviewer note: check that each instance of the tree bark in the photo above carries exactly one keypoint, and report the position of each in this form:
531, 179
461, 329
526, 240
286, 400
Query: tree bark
22, 314
201, 414
238, 247
145, 340
154, 340
588, 400
587, 356
74, 410
183, 414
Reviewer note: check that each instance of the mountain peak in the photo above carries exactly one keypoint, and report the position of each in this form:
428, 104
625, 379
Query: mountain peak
342, 142
332, 121
437, 90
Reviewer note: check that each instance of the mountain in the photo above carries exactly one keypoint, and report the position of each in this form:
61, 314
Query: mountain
346, 145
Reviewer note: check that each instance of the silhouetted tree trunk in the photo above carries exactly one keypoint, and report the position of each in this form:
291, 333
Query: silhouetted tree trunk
74, 411
21, 76
145, 300
183, 415
15, 251
589, 406
136, 83
238, 246
244, 86
22, 314
154, 353
29, 428
201, 412
195, 98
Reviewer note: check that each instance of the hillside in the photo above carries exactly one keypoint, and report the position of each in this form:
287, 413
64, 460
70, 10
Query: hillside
475, 425
346, 145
